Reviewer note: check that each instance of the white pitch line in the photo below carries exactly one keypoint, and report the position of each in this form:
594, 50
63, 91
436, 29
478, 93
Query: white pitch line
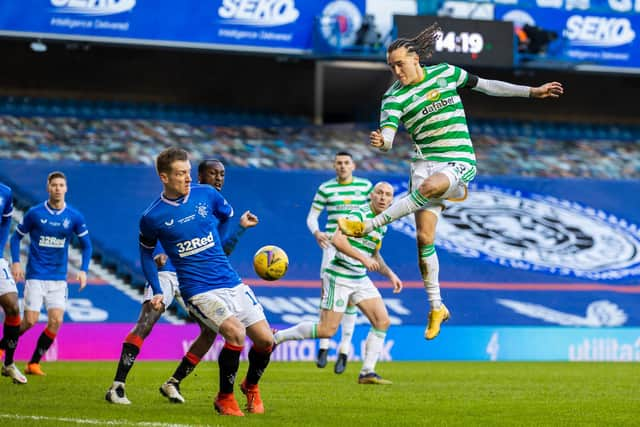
97, 422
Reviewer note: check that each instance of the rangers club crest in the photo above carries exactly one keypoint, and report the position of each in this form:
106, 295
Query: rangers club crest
537, 233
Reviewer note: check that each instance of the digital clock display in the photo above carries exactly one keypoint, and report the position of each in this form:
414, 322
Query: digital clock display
464, 41
460, 42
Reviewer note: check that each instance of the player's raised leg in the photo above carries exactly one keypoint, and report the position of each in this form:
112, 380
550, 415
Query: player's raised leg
433, 186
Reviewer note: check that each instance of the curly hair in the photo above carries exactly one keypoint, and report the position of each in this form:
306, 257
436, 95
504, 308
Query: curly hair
422, 44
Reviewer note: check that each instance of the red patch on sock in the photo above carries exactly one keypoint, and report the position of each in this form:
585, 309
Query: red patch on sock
192, 358
233, 347
12, 320
134, 339
50, 334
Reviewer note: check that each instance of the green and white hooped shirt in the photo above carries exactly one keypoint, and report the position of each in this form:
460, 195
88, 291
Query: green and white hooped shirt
340, 199
433, 114
344, 266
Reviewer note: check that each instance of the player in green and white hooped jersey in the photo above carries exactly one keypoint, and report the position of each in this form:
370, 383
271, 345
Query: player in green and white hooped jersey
426, 101
338, 196
346, 281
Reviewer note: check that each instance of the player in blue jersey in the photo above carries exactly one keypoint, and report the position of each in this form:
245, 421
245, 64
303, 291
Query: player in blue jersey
50, 226
8, 294
211, 172
186, 220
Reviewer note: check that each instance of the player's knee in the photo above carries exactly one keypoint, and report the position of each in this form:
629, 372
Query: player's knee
28, 322
11, 310
233, 334
428, 188
143, 329
326, 331
382, 323
54, 324
207, 336
263, 342
425, 237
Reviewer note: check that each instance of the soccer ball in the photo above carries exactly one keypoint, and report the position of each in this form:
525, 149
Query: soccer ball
270, 262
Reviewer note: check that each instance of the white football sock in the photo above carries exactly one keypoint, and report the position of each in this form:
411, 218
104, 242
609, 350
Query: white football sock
323, 343
298, 332
430, 268
372, 349
402, 207
348, 325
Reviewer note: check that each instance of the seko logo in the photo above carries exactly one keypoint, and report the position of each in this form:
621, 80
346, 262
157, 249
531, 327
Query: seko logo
262, 13
599, 31
93, 7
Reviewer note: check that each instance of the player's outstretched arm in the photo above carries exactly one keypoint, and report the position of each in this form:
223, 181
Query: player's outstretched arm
500, 88
247, 220
547, 90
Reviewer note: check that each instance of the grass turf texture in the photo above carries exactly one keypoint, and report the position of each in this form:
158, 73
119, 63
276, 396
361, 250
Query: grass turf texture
299, 394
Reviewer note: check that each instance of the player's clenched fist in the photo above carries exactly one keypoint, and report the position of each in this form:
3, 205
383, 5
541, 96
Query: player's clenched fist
375, 138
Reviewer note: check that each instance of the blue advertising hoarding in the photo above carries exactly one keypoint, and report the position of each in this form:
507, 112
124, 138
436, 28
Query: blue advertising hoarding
486, 343
597, 6
473, 305
587, 38
251, 25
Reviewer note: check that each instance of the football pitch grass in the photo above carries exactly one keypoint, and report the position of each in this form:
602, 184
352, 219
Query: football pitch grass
299, 394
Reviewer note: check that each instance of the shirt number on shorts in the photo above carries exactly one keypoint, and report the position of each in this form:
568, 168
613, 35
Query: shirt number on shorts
253, 300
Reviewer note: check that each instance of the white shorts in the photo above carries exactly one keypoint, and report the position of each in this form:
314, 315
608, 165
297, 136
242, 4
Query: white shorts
7, 284
327, 256
215, 306
51, 293
170, 288
338, 292
459, 174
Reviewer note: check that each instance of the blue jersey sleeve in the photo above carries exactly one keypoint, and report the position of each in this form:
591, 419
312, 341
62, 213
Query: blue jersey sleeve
221, 209
8, 204
27, 223
21, 230
148, 236
5, 221
80, 225
148, 239
230, 241
80, 228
